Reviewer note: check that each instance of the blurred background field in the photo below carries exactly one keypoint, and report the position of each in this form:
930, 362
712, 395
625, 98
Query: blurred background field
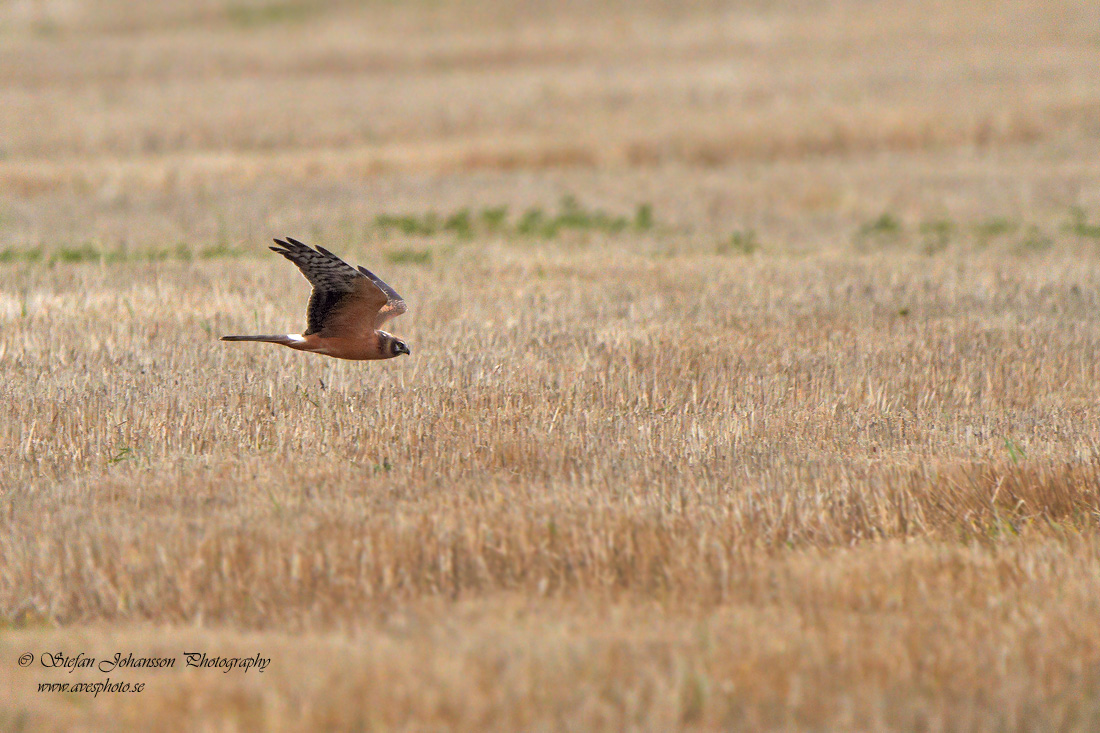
753, 379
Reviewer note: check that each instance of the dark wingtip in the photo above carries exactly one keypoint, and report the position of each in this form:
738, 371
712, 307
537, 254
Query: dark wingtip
371, 276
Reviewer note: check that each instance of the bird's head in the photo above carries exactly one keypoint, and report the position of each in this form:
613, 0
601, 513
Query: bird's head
398, 347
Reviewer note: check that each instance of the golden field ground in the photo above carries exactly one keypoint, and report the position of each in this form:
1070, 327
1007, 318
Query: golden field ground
754, 374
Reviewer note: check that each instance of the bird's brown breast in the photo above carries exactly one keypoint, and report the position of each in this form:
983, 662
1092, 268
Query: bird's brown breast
357, 349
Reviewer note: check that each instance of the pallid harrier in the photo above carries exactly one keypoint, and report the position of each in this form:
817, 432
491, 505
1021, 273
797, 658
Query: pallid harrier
346, 310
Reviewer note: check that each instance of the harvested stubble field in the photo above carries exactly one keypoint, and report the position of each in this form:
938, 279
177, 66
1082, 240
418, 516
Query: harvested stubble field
754, 374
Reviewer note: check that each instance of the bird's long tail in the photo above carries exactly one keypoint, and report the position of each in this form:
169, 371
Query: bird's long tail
284, 339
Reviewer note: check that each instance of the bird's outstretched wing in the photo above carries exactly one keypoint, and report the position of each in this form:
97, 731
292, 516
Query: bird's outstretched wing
345, 302
395, 304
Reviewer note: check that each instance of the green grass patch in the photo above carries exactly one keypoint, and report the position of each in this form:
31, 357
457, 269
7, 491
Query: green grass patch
936, 234
1080, 226
535, 222
409, 256
460, 224
91, 252
997, 226
81, 253
214, 251
11, 254
739, 243
1035, 240
257, 16
119, 455
463, 224
643, 218
409, 225
493, 218
886, 226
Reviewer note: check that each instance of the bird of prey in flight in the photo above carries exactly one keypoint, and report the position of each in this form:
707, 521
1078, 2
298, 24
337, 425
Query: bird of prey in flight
346, 311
